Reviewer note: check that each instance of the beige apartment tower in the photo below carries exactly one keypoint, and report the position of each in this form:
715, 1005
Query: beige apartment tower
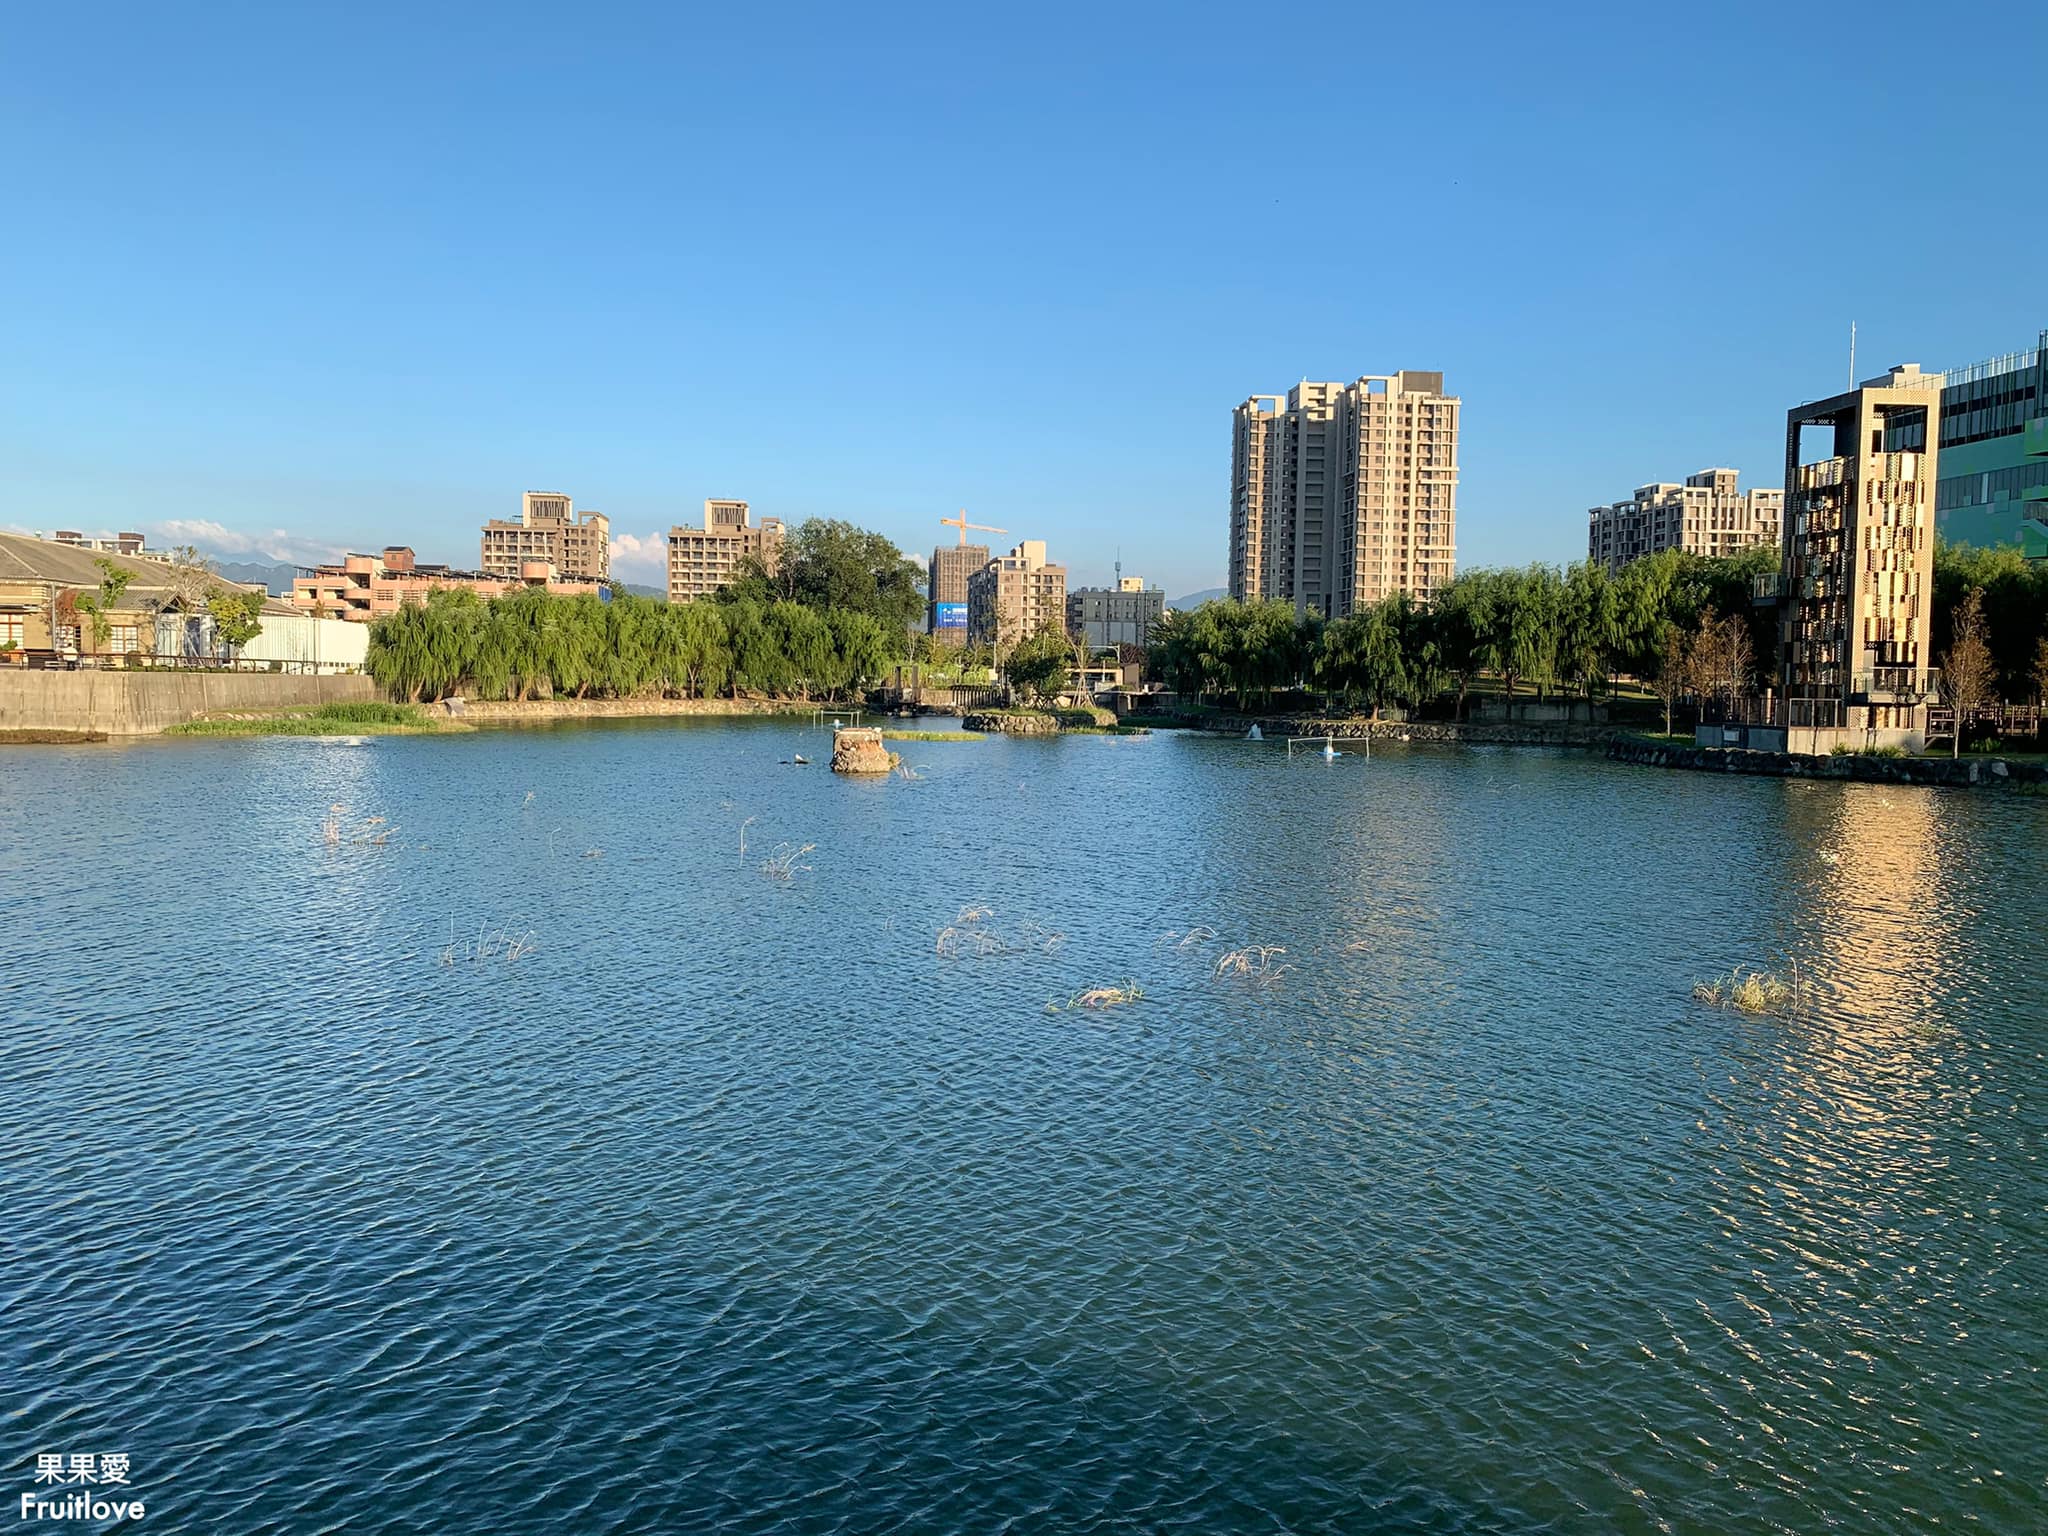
1705, 516
579, 548
1344, 494
1856, 589
701, 560
1016, 595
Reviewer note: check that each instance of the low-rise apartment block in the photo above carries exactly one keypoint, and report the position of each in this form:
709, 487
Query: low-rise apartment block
366, 587
1119, 615
131, 544
701, 560
549, 529
1015, 595
1705, 516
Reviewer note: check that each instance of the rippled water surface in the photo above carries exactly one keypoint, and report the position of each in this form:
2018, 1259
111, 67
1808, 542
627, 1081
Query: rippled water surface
735, 1204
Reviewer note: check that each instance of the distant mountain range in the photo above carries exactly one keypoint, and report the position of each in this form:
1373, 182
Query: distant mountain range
276, 579
1196, 599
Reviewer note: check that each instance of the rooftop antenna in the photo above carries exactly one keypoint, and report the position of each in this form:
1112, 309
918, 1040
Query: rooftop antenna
1119, 565
1852, 354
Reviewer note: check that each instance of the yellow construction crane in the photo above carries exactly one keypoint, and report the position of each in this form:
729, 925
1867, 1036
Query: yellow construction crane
963, 525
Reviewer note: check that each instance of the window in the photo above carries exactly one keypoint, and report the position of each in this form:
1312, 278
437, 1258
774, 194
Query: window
12, 630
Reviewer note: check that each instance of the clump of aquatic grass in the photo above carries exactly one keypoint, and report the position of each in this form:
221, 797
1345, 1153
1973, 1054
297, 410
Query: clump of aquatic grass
968, 935
956, 940
743, 836
1195, 935
334, 831
1036, 937
489, 944
1100, 997
1753, 992
783, 863
903, 770
1254, 961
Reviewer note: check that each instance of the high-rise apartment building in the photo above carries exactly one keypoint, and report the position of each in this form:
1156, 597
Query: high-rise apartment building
579, 548
1856, 591
701, 560
1015, 595
1705, 516
1119, 615
951, 567
1343, 494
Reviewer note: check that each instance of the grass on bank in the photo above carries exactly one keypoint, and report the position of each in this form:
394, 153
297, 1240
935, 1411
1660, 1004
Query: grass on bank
365, 718
933, 736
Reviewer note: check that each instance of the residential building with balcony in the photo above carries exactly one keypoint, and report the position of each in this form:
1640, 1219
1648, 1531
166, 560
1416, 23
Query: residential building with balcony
1110, 616
1855, 590
549, 529
701, 560
366, 587
1707, 515
1344, 494
1016, 595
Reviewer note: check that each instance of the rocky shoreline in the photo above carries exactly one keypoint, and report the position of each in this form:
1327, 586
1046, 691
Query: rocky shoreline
1439, 732
1933, 772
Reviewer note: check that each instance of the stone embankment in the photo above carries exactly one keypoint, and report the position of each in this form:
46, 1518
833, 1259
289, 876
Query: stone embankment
1938, 772
1442, 732
1003, 722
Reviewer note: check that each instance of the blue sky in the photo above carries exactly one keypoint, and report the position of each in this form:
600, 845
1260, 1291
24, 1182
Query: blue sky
298, 277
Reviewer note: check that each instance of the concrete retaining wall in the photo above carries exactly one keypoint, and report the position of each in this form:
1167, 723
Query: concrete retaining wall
1931, 771
141, 703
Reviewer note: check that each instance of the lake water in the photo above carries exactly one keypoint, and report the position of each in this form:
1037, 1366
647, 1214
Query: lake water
549, 1166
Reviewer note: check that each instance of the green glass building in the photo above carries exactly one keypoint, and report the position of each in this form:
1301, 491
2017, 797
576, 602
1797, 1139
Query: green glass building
1993, 488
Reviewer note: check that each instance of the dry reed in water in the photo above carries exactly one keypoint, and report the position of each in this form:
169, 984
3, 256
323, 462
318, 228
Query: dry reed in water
1254, 960
1100, 997
782, 863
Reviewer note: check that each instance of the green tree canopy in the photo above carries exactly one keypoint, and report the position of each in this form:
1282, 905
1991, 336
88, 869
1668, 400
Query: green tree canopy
833, 567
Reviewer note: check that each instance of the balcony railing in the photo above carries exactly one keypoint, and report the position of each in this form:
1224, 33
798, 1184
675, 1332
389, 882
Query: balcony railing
1910, 683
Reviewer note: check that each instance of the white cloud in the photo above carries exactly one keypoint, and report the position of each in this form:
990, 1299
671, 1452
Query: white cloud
642, 559
218, 539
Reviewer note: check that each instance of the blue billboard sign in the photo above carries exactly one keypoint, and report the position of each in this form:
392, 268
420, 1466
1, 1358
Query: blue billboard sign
949, 616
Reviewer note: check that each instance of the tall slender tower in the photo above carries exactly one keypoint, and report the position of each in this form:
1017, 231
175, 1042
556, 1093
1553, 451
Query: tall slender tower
1857, 591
